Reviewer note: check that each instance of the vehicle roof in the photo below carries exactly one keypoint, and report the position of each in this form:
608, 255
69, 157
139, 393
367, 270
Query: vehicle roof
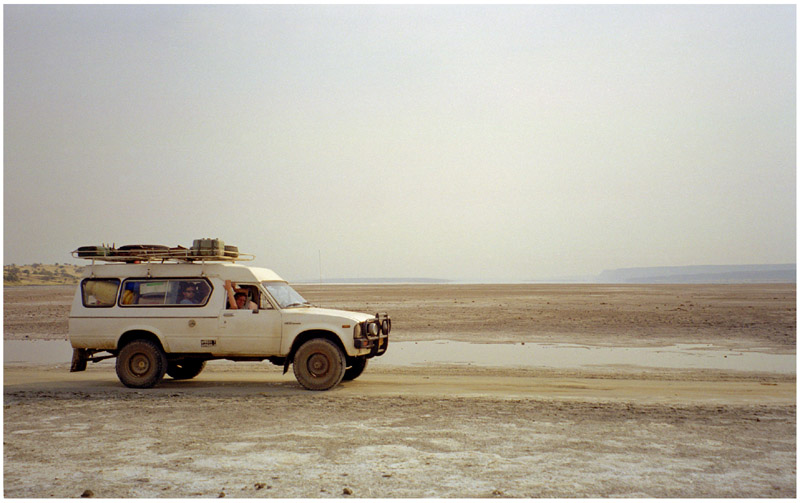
233, 272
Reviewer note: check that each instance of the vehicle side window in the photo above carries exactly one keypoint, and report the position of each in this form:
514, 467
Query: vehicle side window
263, 301
99, 292
165, 292
252, 293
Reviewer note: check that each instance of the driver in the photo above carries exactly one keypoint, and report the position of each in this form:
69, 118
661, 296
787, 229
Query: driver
238, 299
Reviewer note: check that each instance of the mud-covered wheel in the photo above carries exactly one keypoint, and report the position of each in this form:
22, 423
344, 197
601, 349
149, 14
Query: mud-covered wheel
186, 369
141, 364
356, 368
319, 364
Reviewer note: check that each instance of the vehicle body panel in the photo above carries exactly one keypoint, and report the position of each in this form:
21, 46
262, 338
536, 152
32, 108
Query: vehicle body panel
208, 329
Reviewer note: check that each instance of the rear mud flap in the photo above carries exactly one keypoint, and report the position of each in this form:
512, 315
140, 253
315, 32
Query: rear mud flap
79, 359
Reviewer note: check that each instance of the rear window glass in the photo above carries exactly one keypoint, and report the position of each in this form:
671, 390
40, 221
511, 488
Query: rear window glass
165, 292
99, 292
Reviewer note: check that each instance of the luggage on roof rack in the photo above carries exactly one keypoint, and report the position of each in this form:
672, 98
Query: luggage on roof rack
134, 249
202, 250
92, 251
208, 247
213, 248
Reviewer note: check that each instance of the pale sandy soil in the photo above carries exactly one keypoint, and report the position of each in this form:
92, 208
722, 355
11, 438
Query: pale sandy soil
246, 430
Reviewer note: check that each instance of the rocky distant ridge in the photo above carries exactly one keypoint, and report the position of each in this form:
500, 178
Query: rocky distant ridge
61, 274
752, 273
41, 274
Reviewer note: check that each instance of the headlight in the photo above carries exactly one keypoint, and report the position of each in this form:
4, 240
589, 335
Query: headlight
373, 329
357, 331
386, 326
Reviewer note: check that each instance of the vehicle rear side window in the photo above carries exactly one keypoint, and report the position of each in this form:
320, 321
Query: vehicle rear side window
165, 292
99, 292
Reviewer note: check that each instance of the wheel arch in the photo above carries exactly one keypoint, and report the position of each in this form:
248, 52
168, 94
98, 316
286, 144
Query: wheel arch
306, 336
139, 334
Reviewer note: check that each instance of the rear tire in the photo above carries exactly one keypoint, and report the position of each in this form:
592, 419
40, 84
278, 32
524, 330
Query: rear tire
186, 369
319, 364
356, 369
141, 364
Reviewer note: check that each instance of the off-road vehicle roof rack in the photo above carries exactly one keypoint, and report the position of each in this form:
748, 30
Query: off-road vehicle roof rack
202, 250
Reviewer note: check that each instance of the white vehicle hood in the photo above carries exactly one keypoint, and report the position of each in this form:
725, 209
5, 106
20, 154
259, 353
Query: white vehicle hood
331, 313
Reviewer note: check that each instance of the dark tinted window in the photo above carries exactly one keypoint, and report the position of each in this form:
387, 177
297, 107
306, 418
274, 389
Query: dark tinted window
165, 292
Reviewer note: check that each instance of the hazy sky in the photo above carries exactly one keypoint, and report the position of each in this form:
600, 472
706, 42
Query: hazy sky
460, 142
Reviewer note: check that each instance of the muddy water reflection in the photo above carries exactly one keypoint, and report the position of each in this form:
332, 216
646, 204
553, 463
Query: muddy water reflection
689, 356
37, 352
560, 356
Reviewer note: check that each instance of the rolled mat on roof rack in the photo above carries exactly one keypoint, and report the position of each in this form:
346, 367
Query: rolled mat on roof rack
134, 249
92, 251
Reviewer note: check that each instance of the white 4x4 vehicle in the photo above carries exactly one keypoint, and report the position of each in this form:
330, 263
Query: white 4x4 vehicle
166, 310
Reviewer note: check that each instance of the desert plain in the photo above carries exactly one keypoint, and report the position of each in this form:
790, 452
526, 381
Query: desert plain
429, 430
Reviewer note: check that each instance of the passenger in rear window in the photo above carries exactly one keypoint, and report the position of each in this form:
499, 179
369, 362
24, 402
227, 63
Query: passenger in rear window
189, 294
164, 292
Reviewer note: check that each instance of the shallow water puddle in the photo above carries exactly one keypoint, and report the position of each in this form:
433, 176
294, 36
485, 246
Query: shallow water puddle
37, 352
560, 356
690, 356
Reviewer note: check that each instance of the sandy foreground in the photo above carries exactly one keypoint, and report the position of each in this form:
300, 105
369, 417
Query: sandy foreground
247, 430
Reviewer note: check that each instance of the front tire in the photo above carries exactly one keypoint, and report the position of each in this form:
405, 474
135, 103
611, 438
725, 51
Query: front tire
356, 369
319, 364
141, 364
186, 369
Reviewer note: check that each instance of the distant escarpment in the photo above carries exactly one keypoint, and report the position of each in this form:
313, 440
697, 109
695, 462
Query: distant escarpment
752, 273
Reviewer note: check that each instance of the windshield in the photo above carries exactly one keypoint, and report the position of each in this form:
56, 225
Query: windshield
284, 294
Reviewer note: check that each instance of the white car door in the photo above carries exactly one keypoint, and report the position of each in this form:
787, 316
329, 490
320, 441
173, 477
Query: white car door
243, 332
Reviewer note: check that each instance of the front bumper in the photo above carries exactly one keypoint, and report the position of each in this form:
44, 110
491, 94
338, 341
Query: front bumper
366, 336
